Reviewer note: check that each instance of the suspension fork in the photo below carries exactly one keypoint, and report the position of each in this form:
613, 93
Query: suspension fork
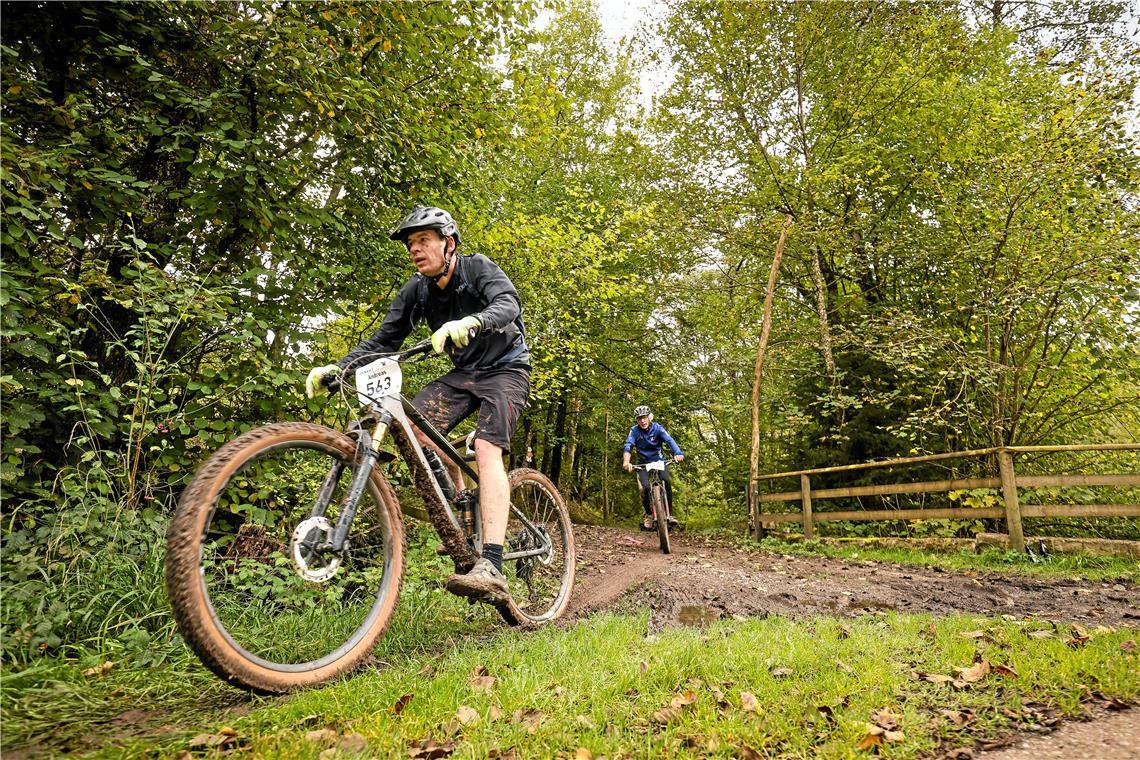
367, 454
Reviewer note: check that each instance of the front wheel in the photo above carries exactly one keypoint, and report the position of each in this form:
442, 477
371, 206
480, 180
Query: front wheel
255, 590
538, 558
657, 498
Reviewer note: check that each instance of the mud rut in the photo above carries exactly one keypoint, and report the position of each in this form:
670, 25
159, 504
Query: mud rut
704, 580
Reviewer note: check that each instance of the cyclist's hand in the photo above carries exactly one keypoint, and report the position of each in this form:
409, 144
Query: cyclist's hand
314, 382
628, 467
458, 331
679, 458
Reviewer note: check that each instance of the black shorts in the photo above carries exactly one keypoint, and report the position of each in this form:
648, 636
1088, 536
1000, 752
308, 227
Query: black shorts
499, 395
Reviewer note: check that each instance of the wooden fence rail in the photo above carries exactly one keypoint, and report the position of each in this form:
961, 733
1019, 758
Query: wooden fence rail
1008, 481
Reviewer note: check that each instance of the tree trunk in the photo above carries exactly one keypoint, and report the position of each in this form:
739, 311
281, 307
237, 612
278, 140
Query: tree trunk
559, 443
825, 333
606, 459
754, 457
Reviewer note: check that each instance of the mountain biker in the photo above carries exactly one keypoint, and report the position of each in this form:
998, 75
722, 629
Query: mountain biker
648, 437
470, 303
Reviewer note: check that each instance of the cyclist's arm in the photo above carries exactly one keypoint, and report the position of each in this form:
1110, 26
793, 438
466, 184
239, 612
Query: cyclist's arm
497, 291
672, 444
625, 450
395, 327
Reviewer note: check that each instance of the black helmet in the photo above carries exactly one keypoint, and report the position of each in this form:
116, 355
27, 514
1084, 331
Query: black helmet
426, 218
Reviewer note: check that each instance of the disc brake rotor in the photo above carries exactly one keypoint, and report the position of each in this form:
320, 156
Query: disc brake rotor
310, 564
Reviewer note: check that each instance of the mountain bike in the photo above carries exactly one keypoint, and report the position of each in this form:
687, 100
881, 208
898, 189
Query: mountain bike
658, 500
286, 553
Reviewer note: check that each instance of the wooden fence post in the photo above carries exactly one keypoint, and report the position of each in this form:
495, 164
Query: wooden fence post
1012, 507
805, 496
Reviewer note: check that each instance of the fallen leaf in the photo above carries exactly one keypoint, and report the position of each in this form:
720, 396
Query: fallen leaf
975, 672
1128, 646
320, 736
721, 701
781, 672
430, 748
401, 703
972, 634
748, 702
933, 677
482, 684
1040, 634
666, 714
845, 667
583, 754
528, 719
495, 713
505, 754
1002, 670
876, 736
212, 740
352, 744
99, 670
885, 719
683, 699
958, 717
585, 721
643, 666
747, 753
466, 715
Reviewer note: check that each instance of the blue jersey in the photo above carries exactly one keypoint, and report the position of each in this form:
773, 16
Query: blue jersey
649, 442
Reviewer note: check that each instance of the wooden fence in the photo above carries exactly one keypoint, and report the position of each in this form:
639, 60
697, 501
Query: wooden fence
1008, 481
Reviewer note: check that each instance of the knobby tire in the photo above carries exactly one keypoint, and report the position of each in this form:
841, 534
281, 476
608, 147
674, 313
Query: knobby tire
186, 576
658, 500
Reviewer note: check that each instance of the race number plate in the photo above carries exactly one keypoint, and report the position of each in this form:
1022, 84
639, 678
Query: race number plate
379, 379
658, 465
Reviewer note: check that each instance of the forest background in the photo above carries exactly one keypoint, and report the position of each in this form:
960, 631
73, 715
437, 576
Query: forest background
196, 198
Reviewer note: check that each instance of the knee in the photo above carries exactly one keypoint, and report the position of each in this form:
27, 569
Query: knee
487, 453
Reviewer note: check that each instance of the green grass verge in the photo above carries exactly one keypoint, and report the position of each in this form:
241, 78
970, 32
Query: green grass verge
606, 686
1082, 566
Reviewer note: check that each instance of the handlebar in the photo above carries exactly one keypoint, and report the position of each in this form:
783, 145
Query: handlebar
668, 463
334, 382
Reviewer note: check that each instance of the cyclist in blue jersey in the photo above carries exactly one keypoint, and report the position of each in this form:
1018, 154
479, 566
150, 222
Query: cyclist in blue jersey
648, 437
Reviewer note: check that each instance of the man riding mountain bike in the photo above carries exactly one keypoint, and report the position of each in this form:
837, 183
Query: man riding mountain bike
474, 308
648, 437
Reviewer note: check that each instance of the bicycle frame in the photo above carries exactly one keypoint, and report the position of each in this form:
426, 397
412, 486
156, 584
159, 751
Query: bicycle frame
396, 409
656, 479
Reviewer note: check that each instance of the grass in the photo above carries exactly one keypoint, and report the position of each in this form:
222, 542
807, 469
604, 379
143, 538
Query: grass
602, 684
1080, 565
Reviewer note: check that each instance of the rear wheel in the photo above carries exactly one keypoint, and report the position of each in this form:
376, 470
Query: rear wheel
657, 499
254, 595
542, 578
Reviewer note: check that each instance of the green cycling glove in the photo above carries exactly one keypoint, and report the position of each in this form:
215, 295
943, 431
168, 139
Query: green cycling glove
458, 331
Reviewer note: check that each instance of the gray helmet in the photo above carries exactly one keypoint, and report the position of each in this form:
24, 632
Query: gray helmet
642, 411
426, 218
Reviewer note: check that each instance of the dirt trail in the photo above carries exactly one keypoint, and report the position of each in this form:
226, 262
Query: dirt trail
727, 580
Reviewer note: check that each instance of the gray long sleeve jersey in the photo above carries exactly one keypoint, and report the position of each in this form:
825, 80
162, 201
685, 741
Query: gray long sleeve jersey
477, 287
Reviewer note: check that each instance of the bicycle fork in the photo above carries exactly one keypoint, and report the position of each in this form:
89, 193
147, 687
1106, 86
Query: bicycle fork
367, 455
